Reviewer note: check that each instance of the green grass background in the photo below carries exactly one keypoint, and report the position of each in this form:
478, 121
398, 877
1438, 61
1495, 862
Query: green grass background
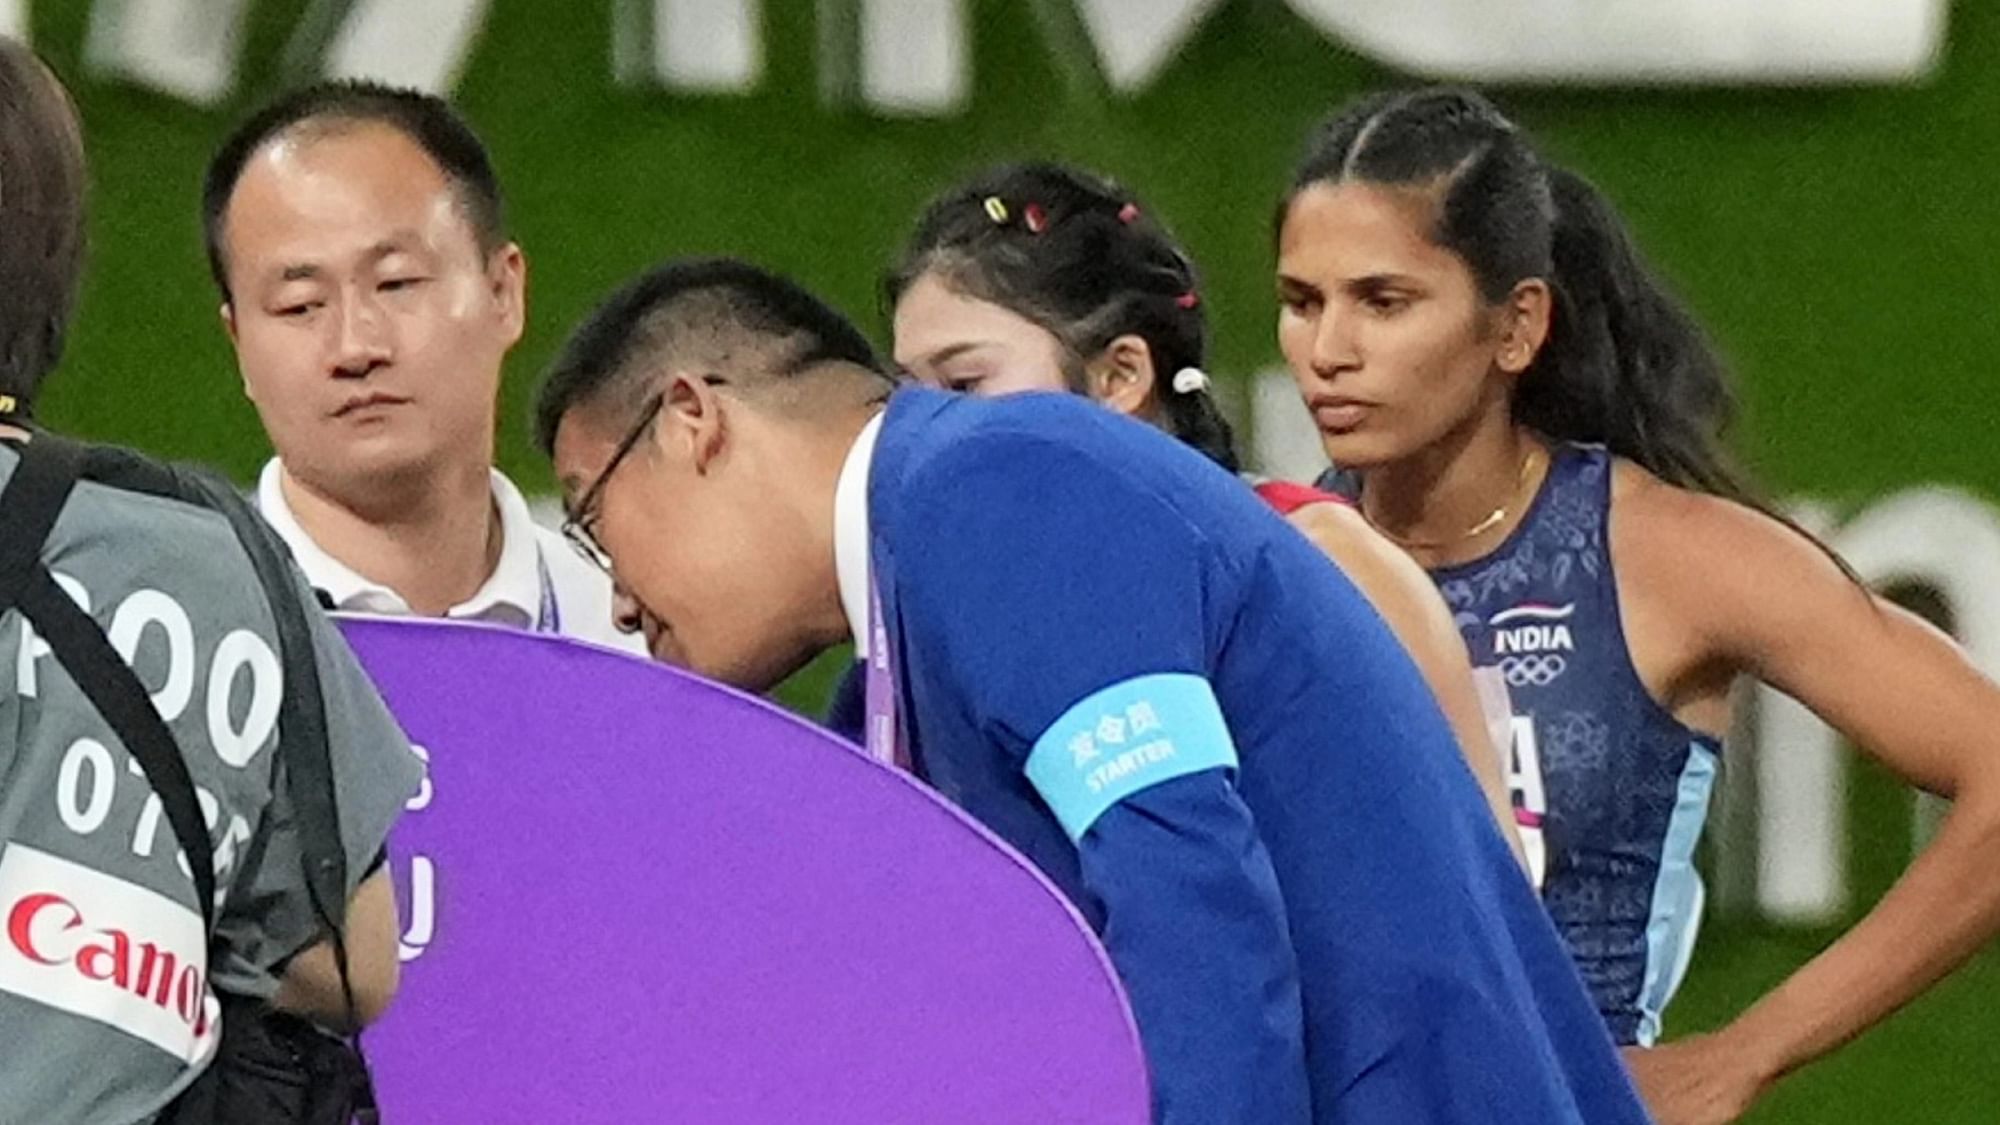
1841, 244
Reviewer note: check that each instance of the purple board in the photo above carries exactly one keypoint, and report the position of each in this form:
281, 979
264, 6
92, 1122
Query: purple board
632, 895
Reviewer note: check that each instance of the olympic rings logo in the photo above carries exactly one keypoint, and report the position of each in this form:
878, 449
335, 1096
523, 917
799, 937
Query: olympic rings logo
1533, 670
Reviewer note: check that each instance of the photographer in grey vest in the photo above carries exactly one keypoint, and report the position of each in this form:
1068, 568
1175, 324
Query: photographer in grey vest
149, 704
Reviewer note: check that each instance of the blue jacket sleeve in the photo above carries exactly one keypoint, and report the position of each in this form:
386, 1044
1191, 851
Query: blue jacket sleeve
1193, 921
1037, 578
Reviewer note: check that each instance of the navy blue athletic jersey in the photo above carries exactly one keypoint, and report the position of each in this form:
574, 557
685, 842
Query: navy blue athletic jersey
1610, 791
1128, 666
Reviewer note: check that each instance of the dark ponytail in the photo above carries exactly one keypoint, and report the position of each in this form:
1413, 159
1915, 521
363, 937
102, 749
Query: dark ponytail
1196, 418
1077, 255
1625, 364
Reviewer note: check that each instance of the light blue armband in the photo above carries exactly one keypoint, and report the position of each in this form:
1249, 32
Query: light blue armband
1129, 737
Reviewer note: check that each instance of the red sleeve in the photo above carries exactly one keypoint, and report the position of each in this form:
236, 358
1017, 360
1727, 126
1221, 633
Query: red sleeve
1288, 497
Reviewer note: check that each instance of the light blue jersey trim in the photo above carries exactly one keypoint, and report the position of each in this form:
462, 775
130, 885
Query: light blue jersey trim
1677, 896
1127, 738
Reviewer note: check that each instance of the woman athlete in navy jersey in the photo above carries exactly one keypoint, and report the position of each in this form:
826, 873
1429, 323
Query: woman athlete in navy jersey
1525, 410
1040, 277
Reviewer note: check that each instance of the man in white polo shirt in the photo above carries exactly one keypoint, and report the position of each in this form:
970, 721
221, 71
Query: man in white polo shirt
372, 295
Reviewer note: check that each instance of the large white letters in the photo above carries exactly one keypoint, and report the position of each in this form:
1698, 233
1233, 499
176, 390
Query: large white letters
914, 57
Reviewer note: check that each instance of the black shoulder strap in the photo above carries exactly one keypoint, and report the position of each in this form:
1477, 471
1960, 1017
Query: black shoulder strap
34, 497
302, 737
32, 500
302, 731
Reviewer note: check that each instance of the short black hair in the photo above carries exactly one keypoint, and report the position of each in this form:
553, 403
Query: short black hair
691, 312
427, 120
41, 221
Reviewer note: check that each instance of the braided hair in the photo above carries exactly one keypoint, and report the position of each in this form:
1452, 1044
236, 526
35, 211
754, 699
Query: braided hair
1625, 363
1076, 255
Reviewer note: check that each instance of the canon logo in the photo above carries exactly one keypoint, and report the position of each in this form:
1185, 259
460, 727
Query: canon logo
48, 929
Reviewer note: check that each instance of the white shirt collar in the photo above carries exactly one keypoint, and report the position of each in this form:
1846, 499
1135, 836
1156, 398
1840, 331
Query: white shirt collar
512, 594
850, 532
517, 581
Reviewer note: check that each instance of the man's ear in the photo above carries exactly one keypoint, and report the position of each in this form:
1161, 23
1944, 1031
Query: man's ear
691, 420
507, 273
1123, 378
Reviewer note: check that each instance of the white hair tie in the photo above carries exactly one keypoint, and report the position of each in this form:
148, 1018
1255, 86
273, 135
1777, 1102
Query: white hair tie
1190, 380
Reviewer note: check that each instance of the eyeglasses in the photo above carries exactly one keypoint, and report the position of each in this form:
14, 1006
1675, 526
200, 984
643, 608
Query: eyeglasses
577, 527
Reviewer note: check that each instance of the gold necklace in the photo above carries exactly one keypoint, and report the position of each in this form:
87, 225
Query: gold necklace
1492, 519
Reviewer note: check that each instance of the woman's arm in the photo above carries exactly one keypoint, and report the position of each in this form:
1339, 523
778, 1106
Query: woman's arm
1757, 598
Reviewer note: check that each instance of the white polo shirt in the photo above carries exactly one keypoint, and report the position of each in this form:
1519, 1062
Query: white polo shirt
851, 564
540, 583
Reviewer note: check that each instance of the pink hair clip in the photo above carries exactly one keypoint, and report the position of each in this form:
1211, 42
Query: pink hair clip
1037, 220
1128, 214
1188, 299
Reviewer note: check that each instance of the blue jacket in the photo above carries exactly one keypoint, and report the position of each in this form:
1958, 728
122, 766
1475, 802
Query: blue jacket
1118, 658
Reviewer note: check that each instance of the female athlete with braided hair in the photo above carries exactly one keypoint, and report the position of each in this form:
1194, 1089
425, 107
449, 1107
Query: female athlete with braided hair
1522, 407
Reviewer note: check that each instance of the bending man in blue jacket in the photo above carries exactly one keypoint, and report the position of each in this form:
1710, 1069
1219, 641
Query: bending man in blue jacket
1117, 658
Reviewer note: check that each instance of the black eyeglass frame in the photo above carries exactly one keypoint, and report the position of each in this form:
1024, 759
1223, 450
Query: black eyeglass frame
576, 524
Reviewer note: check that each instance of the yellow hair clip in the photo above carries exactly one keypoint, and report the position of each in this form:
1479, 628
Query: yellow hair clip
9, 404
996, 210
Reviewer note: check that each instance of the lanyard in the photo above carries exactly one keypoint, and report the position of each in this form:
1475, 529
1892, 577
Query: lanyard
885, 736
549, 620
